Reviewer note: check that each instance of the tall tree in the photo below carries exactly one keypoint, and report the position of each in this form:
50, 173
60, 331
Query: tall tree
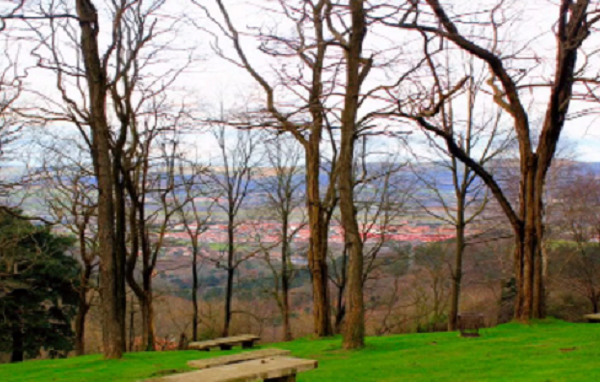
194, 192
119, 73
381, 196
283, 185
308, 122
233, 183
480, 135
357, 69
575, 22
150, 181
111, 267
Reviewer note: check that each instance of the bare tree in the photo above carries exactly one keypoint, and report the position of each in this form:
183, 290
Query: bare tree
575, 24
357, 69
10, 90
308, 122
233, 183
578, 206
283, 185
97, 90
85, 82
11, 126
481, 136
194, 217
150, 179
71, 199
381, 196
18, 10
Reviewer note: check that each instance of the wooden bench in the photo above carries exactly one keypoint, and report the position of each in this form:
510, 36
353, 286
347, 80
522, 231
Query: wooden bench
247, 341
237, 358
272, 369
593, 318
469, 324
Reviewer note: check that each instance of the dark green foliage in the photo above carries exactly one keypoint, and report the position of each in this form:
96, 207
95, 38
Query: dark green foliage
38, 290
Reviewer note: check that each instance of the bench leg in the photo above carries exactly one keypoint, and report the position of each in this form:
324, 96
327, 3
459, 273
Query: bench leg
247, 344
289, 378
225, 347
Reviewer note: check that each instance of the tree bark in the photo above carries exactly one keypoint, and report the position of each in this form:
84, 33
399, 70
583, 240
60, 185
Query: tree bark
147, 310
530, 301
131, 325
120, 239
285, 281
84, 305
82, 311
230, 275
457, 272
318, 214
317, 252
195, 291
142, 292
80, 329
112, 334
354, 327
341, 308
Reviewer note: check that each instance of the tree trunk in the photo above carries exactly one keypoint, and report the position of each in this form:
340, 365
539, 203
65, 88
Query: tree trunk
287, 329
195, 292
228, 301
109, 294
530, 301
131, 324
120, 244
80, 326
230, 276
84, 306
285, 287
131, 264
341, 308
147, 308
354, 327
80, 330
457, 272
18, 354
317, 251
112, 335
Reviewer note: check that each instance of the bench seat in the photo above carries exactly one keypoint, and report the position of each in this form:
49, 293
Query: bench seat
237, 358
272, 369
226, 343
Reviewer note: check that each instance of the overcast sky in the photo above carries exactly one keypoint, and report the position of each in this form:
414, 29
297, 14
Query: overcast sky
211, 80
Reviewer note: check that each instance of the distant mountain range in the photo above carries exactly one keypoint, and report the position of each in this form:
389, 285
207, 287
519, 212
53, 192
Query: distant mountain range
442, 177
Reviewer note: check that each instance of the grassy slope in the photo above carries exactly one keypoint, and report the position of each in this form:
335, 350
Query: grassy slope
509, 352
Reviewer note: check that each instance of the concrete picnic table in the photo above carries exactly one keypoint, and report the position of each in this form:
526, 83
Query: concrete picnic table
593, 318
226, 343
237, 358
272, 369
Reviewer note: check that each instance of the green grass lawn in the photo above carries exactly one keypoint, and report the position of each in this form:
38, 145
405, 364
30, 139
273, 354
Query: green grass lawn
550, 350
